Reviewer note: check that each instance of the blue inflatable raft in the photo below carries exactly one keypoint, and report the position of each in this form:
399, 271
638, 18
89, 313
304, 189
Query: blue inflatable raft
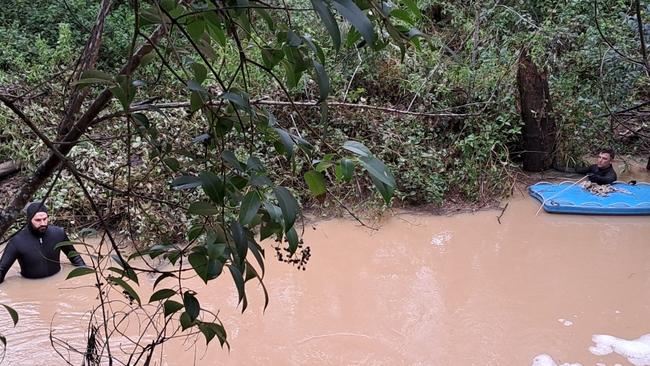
568, 197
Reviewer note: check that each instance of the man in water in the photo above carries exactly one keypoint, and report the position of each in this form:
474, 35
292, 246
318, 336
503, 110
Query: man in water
34, 247
602, 172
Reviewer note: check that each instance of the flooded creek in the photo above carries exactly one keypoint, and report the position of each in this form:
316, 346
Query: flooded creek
421, 290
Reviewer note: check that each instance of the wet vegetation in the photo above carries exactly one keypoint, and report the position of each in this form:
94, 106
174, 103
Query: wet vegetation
196, 129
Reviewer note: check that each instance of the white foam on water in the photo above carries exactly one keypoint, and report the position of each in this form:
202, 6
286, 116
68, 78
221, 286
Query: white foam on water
441, 239
543, 360
636, 351
566, 323
546, 360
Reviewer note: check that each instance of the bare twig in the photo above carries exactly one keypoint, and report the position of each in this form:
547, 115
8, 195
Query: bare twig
503, 210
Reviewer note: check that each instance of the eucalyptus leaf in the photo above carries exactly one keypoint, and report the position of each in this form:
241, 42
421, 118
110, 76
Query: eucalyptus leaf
329, 22
162, 294
288, 205
129, 290
323, 81
357, 148
239, 283
192, 306
378, 170
316, 183
249, 207
80, 271
12, 313
351, 12
202, 209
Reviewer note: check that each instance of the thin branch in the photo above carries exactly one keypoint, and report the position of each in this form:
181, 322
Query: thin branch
639, 21
602, 36
172, 105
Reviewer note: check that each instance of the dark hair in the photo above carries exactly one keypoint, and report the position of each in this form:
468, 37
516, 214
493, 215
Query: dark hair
608, 150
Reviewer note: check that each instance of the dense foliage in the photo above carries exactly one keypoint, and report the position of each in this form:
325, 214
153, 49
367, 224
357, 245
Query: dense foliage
244, 111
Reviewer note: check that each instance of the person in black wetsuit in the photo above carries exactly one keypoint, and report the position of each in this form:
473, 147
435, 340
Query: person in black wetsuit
602, 172
33, 247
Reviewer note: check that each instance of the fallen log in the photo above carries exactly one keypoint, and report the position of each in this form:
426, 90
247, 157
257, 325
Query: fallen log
8, 168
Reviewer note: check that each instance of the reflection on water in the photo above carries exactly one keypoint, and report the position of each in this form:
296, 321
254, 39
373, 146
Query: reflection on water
423, 290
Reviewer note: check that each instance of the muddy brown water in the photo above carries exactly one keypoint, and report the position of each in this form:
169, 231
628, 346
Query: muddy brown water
422, 290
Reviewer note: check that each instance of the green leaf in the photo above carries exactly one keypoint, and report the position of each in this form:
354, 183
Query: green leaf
194, 232
258, 253
171, 306
199, 263
357, 148
402, 15
238, 98
196, 101
329, 22
315, 48
323, 166
413, 7
216, 32
230, 159
213, 186
215, 267
185, 320
241, 240
249, 207
168, 5
377, 170
192, 307
239, 283
345, 170
323, 81
12, 313
288, 205
96, 74
274, 212
209, 330
172, 164
286, 140
80, 271
94, 77
293, 76
352, 37
196, 86
292, 238
196, 29
162, 277
186, 182
385, 190
162, 294
200, 72
271, 56
267, 18
316, 183
127, 271
350, 11
130, 291
202, 209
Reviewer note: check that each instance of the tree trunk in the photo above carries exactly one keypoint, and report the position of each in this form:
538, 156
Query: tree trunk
537, 115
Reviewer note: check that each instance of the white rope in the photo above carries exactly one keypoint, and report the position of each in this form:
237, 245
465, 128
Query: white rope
558, 193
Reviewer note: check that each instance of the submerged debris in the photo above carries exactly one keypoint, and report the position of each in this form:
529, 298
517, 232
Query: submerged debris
602, 190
